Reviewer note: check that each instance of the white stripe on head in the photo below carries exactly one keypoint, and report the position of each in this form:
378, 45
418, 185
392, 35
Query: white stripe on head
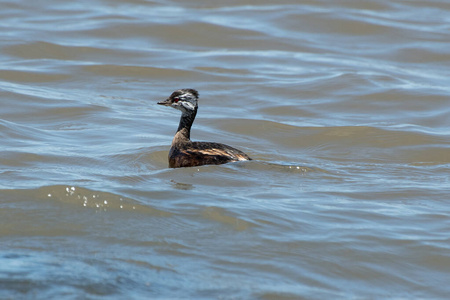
187, 100
188, 105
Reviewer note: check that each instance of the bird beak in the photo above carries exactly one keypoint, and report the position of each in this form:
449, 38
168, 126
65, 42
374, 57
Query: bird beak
165, 102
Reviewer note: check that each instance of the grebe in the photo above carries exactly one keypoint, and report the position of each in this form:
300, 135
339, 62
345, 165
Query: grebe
184, 152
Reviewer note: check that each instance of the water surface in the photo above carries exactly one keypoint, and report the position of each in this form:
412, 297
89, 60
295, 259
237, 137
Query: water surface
344, 108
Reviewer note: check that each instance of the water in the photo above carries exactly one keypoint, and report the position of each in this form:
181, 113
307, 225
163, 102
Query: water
342, 105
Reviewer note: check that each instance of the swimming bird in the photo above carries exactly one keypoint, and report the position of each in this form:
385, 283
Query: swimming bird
184, 152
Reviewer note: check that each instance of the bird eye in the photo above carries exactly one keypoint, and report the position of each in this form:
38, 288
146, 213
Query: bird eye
176, 99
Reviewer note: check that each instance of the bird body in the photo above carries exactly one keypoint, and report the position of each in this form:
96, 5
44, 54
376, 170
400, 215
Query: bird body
184, 152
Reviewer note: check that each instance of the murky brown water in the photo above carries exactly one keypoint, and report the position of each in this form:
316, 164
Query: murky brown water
343, 106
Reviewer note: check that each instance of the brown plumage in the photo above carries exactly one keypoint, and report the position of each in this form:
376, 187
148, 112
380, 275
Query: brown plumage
184, 152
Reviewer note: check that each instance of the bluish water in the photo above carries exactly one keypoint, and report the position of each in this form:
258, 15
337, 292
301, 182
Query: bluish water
342, 106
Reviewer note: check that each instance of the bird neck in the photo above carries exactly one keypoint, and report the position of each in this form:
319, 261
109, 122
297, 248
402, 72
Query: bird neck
187, 118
